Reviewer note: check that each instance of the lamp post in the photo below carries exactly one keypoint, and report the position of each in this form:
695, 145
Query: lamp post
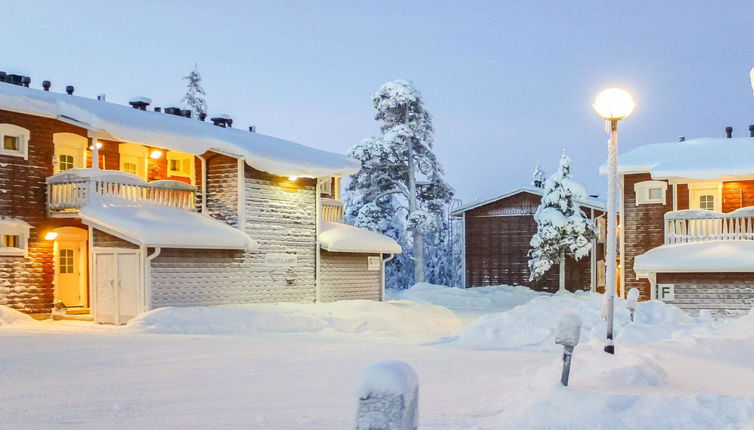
613, 104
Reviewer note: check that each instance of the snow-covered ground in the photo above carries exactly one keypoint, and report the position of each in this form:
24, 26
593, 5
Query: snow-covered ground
485, 359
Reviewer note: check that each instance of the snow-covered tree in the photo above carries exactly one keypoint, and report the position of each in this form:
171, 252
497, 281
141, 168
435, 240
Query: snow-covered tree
194, 98
562, 227
400, 175
538, 178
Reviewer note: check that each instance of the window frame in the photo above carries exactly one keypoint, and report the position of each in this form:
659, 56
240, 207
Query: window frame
14, 227
642, 190
23, 135
182, 158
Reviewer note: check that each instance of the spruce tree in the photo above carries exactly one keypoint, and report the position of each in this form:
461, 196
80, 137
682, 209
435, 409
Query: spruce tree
538, 177
562, 227
194, 98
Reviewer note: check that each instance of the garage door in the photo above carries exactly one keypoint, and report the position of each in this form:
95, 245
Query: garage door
118, 295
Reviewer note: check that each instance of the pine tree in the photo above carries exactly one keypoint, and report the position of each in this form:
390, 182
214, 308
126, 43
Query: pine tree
194, 99
562, 228
538, 178
400, 175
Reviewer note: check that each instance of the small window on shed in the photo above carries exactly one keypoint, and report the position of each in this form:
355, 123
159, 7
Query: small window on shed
650, 192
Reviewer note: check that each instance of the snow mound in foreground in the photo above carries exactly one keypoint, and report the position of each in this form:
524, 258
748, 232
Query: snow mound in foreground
364, 317
496, 298
532, 324
9, 315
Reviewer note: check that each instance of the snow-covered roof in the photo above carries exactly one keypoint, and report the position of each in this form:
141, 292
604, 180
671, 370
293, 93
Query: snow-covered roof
155, 225
337, 237
702, 158
123, 123
14, 225
711, 256
588, 202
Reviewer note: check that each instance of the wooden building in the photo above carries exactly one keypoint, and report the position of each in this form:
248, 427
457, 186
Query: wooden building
497, 233
688, 231
109, 211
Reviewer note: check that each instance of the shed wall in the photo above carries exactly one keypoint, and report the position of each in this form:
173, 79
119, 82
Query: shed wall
345, 277
717, 292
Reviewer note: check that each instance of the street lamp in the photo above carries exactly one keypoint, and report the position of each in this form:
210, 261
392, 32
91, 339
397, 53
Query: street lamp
613, 104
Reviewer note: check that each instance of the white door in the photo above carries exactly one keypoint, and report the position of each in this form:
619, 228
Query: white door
117, 285
705, 196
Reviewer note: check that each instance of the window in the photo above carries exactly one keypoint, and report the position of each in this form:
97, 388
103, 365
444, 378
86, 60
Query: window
180, 164
14, 140
650, 192
707, 202
65, 262
706, 196
129, 167
65, 162
14, 236
133, 159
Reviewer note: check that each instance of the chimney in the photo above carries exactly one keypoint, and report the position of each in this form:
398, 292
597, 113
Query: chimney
102, 97
751, 131
729, 132
202, 116
253, 128
222, 120
46, 85
681, 138
2, 76
186, 113
140, 103
26, 81
15, 79
69, 90
157, 109
173, 111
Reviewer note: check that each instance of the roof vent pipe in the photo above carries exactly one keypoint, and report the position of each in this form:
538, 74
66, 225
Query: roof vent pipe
729, 132
751, 131
157, 109
186, 113
46, 85
202, 116
102, 97
69, 90
26, 81
253, 128
681, 138
2, 76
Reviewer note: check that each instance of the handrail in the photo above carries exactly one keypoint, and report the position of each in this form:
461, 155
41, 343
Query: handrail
693, 225
332, 210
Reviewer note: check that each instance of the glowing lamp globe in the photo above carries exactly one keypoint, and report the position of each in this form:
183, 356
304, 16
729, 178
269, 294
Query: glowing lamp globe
614, 103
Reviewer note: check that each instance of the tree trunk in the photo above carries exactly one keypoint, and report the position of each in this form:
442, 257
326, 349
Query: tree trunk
561, 286
418, 237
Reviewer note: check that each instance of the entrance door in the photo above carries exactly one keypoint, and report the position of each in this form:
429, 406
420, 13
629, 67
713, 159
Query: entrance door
70, 276
705, 196
117, 285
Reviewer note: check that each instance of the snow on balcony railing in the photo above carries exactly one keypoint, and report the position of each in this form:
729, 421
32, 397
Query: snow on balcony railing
68, 191
332, 210
694, 225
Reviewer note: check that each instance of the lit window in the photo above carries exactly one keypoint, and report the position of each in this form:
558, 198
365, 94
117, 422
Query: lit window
13, 140
707, 202
128, 167
14, 236
650, 192
180, 164
65, 261
65, 162
11, 241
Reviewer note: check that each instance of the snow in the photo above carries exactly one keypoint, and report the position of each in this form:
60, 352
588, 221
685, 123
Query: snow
146, 100
14, 225
632, 298
568, 330
709, 256
118, 176
117, 122
701, 158
585, 201
155, 225
670, 370
11, 316
337, 237
388, 377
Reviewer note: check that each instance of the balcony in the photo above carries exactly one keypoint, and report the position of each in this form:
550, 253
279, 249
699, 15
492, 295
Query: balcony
693, 225
331, 210
69, 191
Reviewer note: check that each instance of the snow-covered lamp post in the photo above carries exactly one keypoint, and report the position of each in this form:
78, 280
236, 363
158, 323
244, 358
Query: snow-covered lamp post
612, 104
567, 334
633, 297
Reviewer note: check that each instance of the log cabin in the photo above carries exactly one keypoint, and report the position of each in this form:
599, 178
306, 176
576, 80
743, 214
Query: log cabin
687, 235
107, 211
497, 233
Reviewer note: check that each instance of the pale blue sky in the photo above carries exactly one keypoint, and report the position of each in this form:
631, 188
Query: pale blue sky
509, 83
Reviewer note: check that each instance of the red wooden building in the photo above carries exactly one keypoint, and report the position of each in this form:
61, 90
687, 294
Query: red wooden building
496, 244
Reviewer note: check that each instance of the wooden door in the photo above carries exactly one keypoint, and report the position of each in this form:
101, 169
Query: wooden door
104, 287
117, 284
70, 277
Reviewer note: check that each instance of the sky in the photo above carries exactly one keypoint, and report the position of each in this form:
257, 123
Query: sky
509, 83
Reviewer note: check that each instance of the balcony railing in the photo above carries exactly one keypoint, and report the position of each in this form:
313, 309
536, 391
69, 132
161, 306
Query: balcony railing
694, 225
69, 191
332, 210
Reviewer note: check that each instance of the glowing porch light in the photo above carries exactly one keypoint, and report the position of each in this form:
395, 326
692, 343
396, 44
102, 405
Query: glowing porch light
292, 178
98, 144
614, 104
51, 235
155, 154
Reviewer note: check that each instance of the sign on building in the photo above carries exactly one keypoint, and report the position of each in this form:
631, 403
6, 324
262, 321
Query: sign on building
280, 260
373, 263
666, 292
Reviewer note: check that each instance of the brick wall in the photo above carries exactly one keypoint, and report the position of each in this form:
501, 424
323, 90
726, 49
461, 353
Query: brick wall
718, 292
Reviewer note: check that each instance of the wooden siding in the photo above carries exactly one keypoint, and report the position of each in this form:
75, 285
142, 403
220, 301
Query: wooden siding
105, 240
643, 229
222, 188
345, 277
497, 246
737, 195
26, 284
717, 292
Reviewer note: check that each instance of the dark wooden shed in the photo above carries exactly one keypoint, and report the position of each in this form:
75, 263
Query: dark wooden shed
496, 244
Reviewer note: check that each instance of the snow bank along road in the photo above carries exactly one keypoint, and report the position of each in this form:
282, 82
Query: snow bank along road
297, 366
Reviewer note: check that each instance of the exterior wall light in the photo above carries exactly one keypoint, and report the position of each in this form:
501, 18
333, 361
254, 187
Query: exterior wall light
292, 178
155, 154
51, 235
98, 144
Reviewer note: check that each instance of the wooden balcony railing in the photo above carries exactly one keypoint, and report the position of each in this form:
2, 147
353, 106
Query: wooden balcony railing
67, 192
331, 210
694, 225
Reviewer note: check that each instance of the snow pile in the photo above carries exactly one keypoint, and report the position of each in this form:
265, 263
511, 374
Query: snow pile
9, 316
475, 300
339, 237
388, 377
532, 324
396, 319
708, 256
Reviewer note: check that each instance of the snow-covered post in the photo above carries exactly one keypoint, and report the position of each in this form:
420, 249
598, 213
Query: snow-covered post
633, 297
567, 334
388, 397
612, 104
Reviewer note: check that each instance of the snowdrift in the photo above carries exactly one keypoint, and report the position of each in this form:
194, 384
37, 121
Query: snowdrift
9, 316
395, 319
